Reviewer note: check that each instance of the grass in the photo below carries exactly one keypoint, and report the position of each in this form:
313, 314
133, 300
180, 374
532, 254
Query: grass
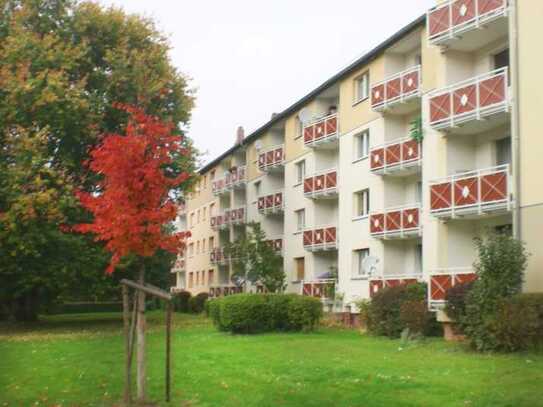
77, 360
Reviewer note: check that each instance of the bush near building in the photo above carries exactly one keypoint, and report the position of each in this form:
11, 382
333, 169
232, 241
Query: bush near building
256, 313
181, 301
197, 303
394, 309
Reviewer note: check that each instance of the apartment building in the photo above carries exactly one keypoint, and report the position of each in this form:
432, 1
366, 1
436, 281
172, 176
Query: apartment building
404, 157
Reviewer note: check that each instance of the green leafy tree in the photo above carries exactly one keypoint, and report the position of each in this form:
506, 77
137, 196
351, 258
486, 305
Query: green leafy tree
63, 64
255, 260
501, 263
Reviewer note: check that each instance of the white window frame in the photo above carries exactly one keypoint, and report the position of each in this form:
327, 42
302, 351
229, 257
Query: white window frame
362, 139
300, 172
365, 80
362, 197
359, 256
300, 220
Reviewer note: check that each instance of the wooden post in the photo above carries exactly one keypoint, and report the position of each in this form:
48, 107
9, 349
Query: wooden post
140, 379
168, 347
126, 325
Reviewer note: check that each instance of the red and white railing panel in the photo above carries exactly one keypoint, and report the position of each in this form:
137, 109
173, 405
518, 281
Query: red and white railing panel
224, 290
319, 239
321, 130
271, 158
276, 244
441, 280
217, 256
236, 177
469, 100
396, 89
318, 289
218, 222
179, 265
321, 184
474, 192
377, 283
403, 221
218, 186
236, 216
396, 155
272, 203
454, 17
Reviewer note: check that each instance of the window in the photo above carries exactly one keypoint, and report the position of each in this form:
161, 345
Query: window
300, 220
198, 247
192, 220
257, 188
203, 245
211, 243
299, 128
418, 258
300, 268
418, 59
362, 145
212, 175
198, 216
501, 59
418, 198
504, 229
503, 151
204, 214
211, 210
362, 87
300, 172
191, 249
359, 256
362, 203
210, 275
191, 279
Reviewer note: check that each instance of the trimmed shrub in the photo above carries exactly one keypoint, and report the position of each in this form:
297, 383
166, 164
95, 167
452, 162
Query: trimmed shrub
456, 301
181, 301
518, 323
85, 307
255, 313
197, 303
383, 314
415, 316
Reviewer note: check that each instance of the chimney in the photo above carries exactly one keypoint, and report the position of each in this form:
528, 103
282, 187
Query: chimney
240, 135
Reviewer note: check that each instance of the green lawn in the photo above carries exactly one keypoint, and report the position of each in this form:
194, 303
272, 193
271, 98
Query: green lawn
78, 361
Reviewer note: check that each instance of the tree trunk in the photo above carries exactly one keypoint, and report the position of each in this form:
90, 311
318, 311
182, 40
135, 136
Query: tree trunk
140, 380
26, 308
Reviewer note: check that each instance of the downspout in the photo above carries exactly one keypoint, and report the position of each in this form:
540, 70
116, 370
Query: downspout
515, 116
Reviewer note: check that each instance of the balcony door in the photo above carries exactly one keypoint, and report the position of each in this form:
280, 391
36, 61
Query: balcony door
503, 151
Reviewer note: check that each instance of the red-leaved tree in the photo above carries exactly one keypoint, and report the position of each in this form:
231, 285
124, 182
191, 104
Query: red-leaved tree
133, 200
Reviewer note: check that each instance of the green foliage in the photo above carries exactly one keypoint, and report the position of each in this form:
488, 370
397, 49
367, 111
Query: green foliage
86, 307
394, 309
181, 301
197, 303
255, 260
416, 130
255, 313
518, 323
456, 301
500, 267
62, 65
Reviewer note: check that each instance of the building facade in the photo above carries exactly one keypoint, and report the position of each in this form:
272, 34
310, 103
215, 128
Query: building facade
386, 173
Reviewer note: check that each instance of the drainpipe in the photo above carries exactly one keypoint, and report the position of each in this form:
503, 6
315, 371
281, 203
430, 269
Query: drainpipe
515, 118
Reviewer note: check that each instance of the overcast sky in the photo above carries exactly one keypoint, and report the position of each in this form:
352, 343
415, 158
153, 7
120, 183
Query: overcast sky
248, 59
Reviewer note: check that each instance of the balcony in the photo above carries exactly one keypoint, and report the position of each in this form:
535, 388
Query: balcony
472, 194
229, 217
321, 239
276, 244
443, 279
179, 266
471, 106
457, 24
224, 290
323, 185
322, 132
218, 257
377, 283
401, 157
271, 204
235, 178
271, 159
218, 187
396, 223
399, 93
323, 289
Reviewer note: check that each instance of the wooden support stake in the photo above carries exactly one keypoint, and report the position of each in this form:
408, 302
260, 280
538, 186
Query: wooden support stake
168, 348
140, 354
126, 326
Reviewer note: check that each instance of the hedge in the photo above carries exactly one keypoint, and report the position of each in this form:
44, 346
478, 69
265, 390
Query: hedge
181, 301
197, 303
256, 313
85, 307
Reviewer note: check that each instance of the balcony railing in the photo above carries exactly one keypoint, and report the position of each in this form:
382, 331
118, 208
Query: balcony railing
379, 282
236, 216
323, 289
454, 17
271, 204
396, 223
321, 185
473, 99
321, 239
396, 156
224, 290
321, 131
441, 280
179, 265
276, 244
232, 179
396, 89
271, 158
472, 193
218, 256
